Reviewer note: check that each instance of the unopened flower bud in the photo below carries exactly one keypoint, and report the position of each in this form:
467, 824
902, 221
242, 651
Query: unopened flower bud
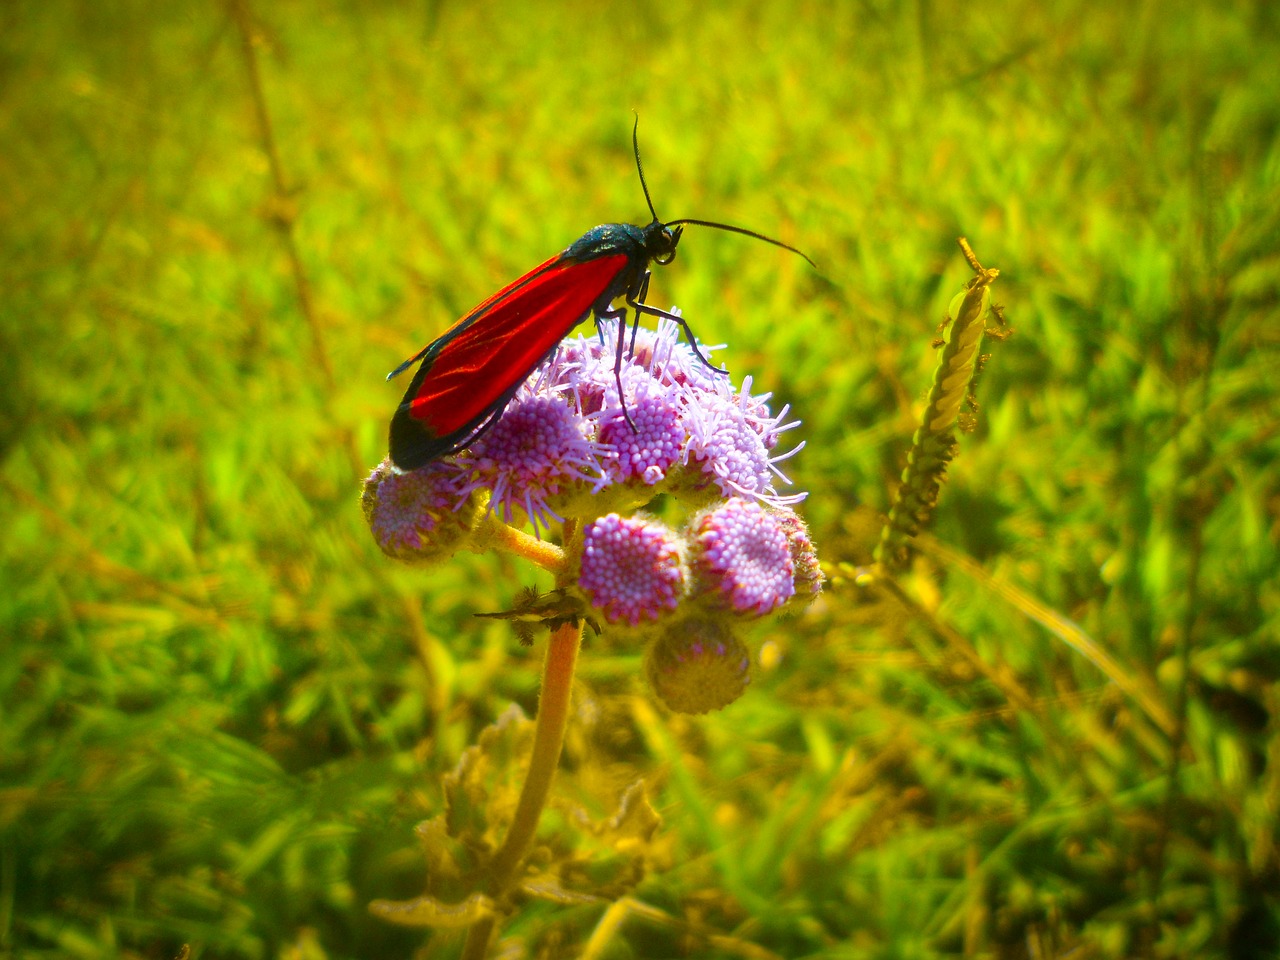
697, 665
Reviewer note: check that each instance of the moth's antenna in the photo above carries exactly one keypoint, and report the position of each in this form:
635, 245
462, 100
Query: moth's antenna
745, 232
635, 143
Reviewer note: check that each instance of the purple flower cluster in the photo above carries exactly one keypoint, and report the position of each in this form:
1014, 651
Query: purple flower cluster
537, 446
738, 558
675, 424
569, 434
583, 441
645, 448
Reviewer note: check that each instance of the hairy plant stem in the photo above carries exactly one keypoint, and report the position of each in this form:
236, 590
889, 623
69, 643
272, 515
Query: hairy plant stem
548, 740
501, 536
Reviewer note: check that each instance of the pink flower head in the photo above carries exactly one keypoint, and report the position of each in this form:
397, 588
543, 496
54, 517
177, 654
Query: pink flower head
728, 438
586, 421
649, 450
631, 568
582, 372
742, 555
524, 458
415, 515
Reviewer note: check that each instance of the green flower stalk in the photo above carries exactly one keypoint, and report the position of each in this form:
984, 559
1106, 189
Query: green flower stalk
934, 443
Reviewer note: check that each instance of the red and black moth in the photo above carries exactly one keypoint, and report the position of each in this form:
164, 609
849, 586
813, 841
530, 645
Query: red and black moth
469, 373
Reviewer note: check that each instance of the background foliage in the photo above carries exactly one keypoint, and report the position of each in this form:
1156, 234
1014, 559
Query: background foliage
224, 710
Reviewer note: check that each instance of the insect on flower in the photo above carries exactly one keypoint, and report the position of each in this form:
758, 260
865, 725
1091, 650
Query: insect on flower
468, 375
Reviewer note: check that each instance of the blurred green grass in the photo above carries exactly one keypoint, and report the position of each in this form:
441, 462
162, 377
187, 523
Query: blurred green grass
224, 710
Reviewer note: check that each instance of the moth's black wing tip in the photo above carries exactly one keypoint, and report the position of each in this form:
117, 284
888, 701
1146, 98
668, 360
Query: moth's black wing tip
412, 445
403, 367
